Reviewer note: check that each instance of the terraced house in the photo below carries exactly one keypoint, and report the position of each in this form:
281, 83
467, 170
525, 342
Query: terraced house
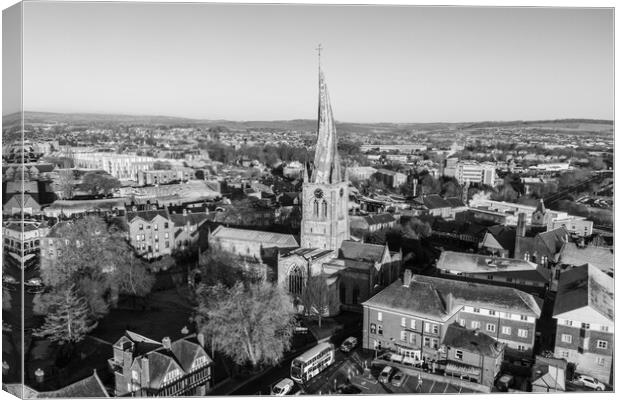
411, 316
584, 309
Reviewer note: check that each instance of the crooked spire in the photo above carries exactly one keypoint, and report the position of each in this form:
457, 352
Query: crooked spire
326, 159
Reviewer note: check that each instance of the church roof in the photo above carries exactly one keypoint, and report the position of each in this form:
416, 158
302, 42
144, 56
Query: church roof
361, 251
270, 238
326, 159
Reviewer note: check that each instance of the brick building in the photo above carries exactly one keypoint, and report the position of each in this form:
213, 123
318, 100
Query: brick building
151, 232
584, 310
411, 316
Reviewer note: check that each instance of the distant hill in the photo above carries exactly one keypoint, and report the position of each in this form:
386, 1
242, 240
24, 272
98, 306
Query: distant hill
35, 117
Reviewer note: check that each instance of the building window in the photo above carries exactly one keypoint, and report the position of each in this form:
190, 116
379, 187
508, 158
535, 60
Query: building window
137, 237
506, 330
166, 235
427, 342
295, 280
600, 361
167, 244
604, 328
491, 327
412, 324
379, 316
463, 323
476, 310
316, 208
427, 327
490, 277
156, 227
567, 338
509, 279
523, 317
522, 333
585, 325
565, 354
403, 336
403, 321
165, 225
458, 354
568, 322
373, 328
475, 324
324, 209
380, 329
521, 347
140, 227
601, 344
491, 312
435, 329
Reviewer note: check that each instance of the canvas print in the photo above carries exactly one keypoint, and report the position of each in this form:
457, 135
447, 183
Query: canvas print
258, 199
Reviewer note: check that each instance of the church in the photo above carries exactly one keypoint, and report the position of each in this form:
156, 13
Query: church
356, 271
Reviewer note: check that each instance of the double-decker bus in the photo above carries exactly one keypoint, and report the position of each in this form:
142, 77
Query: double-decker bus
312, 362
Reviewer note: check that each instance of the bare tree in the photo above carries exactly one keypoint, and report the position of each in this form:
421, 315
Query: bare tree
251, 324
317, 298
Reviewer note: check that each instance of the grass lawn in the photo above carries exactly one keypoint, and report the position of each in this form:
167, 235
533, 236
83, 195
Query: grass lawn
167, 312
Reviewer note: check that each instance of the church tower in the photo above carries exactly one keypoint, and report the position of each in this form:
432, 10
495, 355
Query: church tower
325, 219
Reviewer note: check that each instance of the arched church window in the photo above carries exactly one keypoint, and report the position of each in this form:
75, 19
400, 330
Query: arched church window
295, 280
316, 208
324, 209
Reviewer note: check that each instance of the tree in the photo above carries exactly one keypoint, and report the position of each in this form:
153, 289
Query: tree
252, 324
65, 183
416, 229
67, 320
98, 260
96, 183
218, 266
317, 298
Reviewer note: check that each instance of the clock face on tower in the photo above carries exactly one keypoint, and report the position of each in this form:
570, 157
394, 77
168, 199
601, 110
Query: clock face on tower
318, 193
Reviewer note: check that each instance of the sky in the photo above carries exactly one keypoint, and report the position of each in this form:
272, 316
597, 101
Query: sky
258, 62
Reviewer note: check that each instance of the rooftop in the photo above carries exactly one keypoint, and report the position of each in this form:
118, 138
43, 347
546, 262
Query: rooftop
585, 286
472, 340
263, 237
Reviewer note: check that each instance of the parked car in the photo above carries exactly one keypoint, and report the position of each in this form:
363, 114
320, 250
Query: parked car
386, 374
34, 282
349, 344
398, 378
590, 382
283, 387
8, 279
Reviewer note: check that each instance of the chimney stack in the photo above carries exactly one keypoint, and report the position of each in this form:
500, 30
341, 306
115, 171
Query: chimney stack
201, 339
166, 343
521, 225
407, 278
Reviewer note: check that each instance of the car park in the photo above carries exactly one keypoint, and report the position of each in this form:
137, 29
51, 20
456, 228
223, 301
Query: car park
590, 382
398, 378
349, 344
283, 387
386, 374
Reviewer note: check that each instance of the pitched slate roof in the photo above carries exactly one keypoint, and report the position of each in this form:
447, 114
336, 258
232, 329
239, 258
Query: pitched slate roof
88, 387
265, 238
196, 218
599, 257
473, 341
428, 295
25, 201
504, 236
147, 215
361, 251
582, 287
455, 202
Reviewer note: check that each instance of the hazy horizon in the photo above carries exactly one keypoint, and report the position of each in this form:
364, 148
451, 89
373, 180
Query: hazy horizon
383, 64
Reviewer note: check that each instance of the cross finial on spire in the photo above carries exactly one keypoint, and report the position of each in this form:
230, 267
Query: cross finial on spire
318, 49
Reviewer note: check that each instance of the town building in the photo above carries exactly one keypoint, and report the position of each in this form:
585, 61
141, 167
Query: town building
21, 203
187, 227
151, 232
584, 310
165, 176
411, 316
22, 241
120, 166
511, 272
74, 208
472, 354
361, 173
394, 148
549, 375
144, 367
372, 222
89, 387
392, 179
